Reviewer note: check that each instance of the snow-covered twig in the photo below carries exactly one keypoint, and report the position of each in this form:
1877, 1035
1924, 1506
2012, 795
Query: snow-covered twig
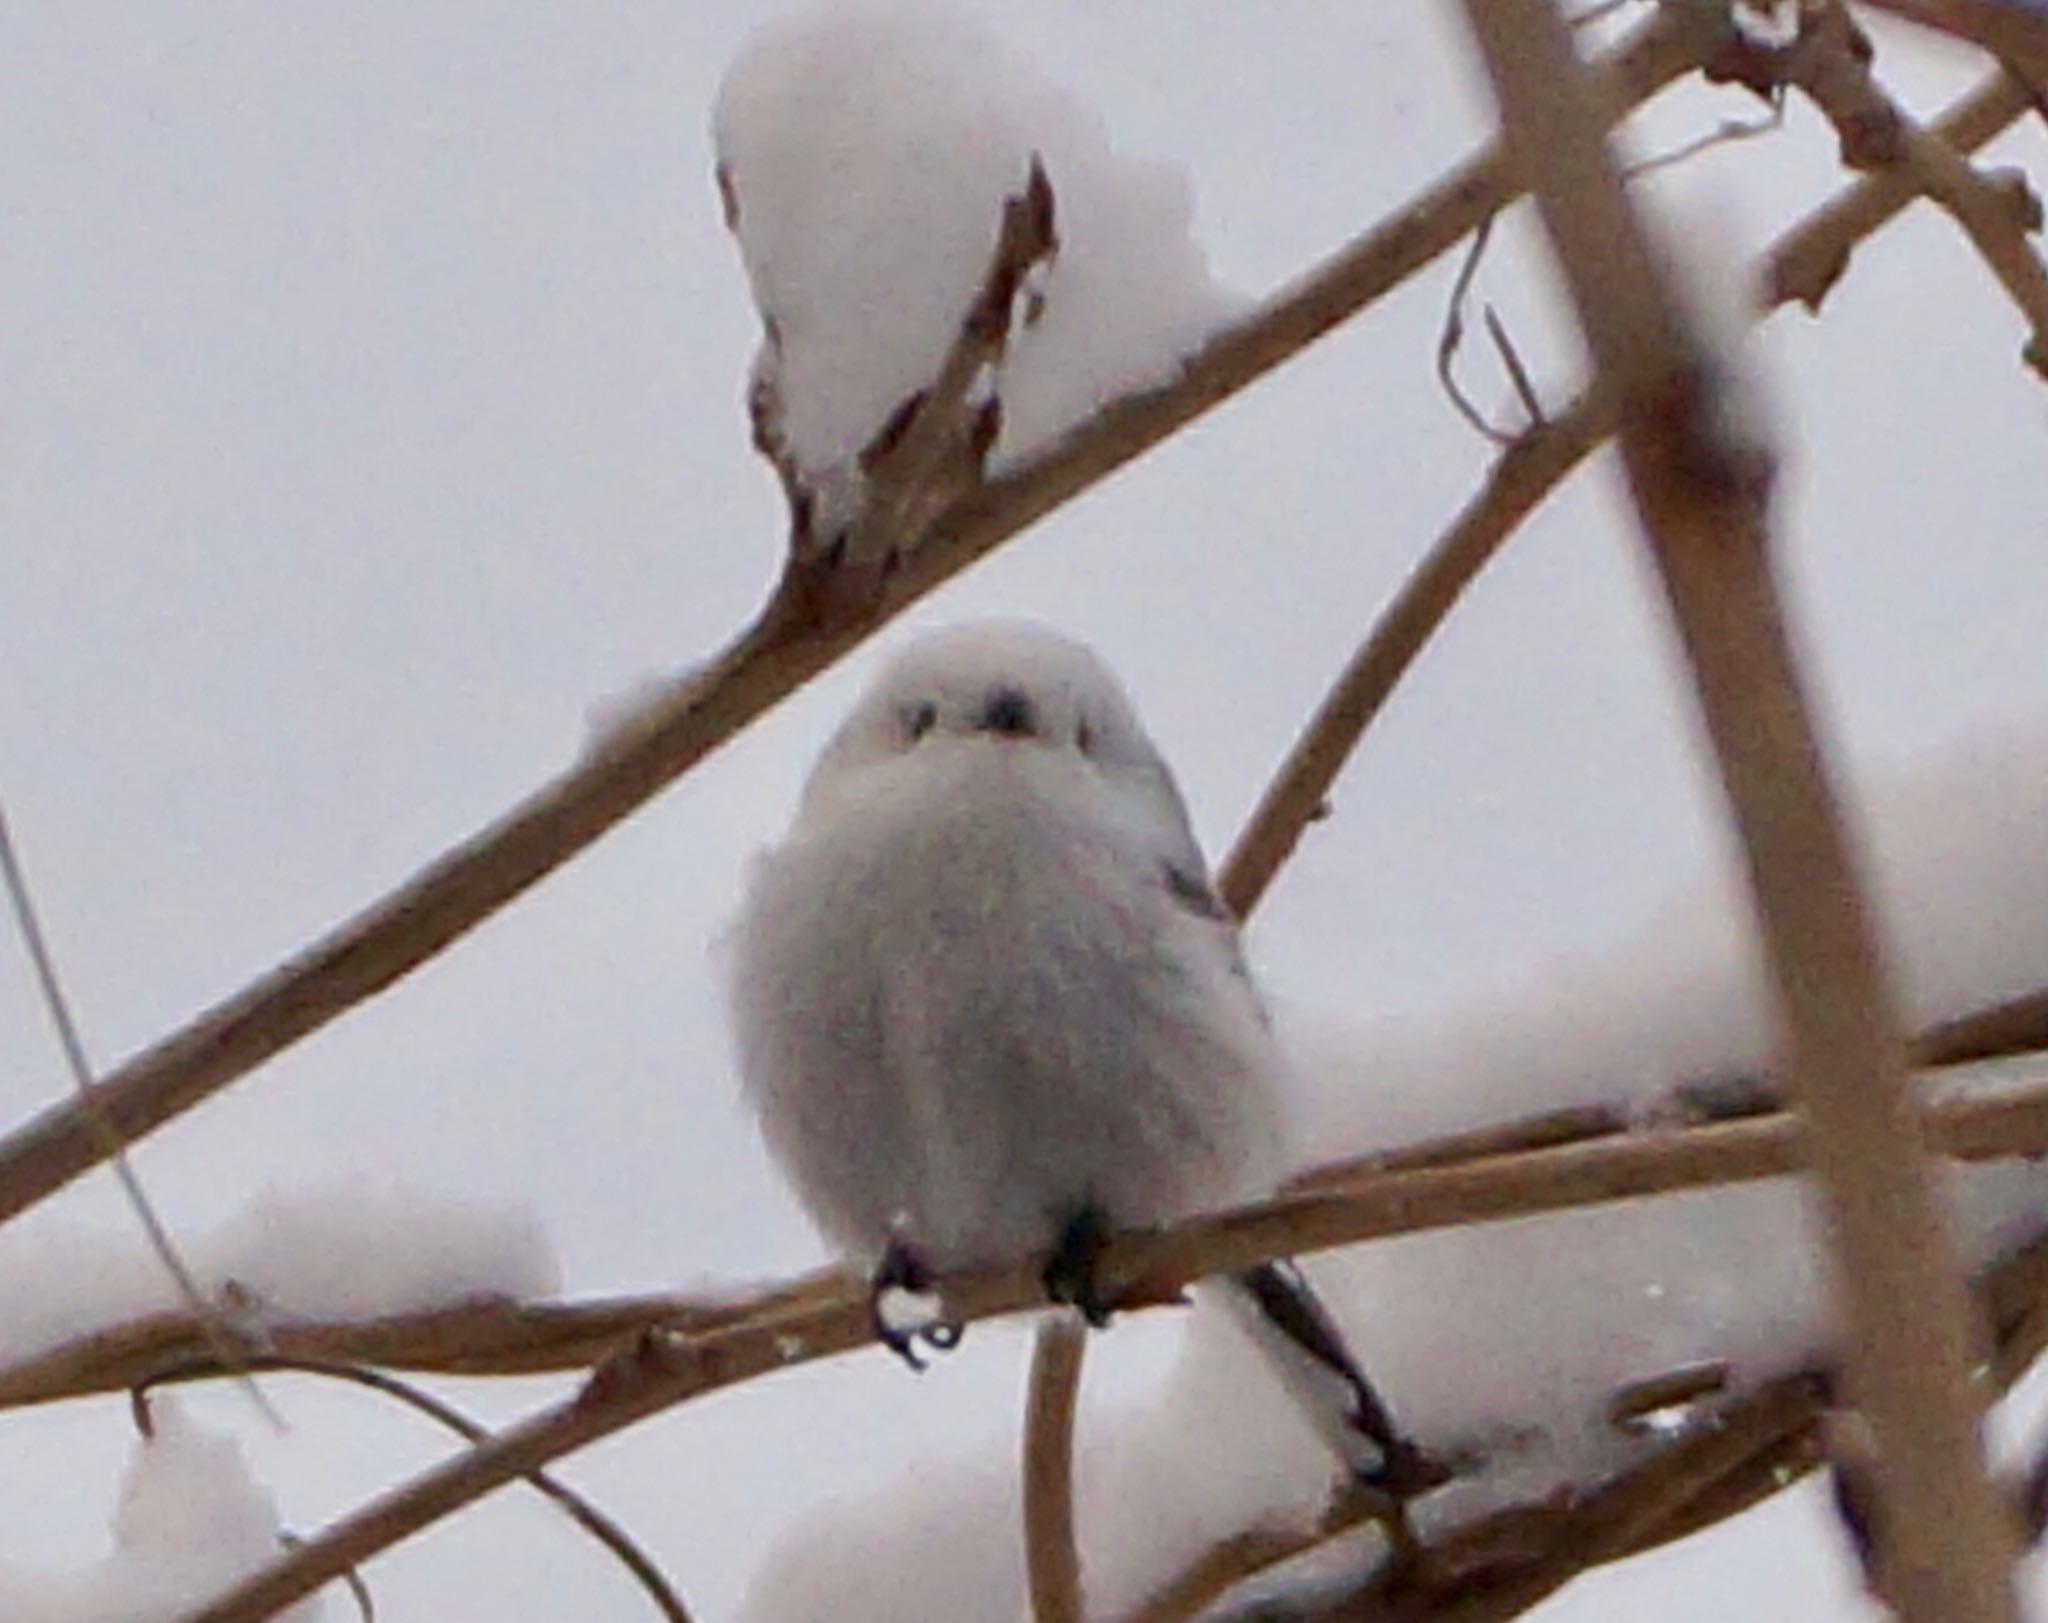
1727, 1458
917, 468
1700, 490
1500, 1566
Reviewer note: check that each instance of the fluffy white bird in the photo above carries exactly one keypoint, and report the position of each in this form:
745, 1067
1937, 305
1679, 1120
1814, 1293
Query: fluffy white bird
987, 1003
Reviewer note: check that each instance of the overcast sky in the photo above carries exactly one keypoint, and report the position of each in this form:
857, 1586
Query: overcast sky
371, 409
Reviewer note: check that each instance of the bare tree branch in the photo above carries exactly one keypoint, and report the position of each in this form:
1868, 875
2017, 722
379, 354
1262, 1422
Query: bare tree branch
1701, 496
1802, 265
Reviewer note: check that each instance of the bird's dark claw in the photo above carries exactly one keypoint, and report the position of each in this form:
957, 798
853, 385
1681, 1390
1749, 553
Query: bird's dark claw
903, 1268
1070, 1274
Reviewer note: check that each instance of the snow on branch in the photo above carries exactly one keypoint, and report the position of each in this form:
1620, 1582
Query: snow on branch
190, 1518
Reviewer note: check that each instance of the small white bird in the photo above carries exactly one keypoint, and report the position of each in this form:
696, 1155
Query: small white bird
987, 1003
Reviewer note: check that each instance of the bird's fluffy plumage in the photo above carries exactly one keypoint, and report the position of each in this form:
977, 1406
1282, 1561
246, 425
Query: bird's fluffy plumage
983, 984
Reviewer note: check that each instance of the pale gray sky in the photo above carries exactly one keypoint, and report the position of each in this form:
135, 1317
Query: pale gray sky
370, 409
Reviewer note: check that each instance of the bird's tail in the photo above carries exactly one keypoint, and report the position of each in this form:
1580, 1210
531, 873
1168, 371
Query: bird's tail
1279, 1311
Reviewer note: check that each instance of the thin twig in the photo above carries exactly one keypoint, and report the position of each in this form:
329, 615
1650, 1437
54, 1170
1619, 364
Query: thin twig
1052, 1552
1726, 133
1701, 500
1228, 1562
782, 650
645, 1572
1511, 363
352, 1580
1452, 336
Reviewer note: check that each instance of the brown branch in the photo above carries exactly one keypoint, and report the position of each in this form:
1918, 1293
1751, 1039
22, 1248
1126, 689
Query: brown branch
498, 1336
1501, 1565
1052, 1552
1809, 260
1519, 481
483, 1336
1701, 500
1138, 1269
783, 649
645, 1572
1830, 62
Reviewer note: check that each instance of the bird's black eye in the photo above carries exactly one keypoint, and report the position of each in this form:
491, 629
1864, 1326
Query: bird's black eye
1084, 736
919, 719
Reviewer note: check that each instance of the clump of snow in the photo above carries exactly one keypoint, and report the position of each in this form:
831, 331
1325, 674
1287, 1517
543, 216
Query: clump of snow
1514, 1337
191, 1521
865, 152
356, 1248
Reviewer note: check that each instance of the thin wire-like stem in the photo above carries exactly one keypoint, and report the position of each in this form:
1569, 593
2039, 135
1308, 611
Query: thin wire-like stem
1907, 1329
1052, 1551
579, 1509
71, 1042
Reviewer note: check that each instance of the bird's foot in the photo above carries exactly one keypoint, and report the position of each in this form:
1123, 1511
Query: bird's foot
904, 1305
1071, 1274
